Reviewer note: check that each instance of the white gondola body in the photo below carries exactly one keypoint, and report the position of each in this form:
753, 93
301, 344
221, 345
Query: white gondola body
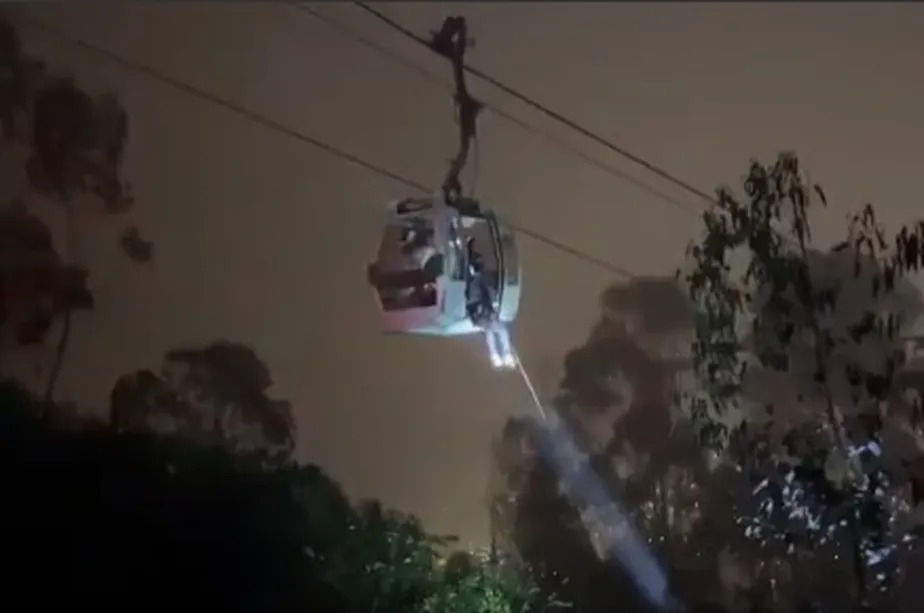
441, 309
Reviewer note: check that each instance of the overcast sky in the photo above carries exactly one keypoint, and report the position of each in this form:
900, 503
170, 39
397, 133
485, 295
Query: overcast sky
263, 239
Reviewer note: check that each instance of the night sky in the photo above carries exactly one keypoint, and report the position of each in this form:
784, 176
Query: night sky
263, 239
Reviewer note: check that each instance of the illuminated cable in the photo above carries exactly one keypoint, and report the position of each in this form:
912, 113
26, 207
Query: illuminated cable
636, 159
529, 385
271, 124
561, 144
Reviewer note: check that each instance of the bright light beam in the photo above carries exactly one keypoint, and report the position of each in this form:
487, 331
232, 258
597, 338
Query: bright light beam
609, 527
529, 384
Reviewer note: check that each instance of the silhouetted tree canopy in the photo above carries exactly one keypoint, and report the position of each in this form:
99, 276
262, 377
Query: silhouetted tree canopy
216, 394
797, 353
36, 286
717, 524
117, 521
616, 398
76, 140
535, 518
74, 143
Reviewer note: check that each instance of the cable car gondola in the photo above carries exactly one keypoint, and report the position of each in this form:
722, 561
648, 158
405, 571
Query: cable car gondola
447, 270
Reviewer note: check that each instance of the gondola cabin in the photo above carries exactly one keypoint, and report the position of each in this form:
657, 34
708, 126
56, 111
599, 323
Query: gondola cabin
436, 262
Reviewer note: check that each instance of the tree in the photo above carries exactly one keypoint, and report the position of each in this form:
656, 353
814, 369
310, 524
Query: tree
36, 287
535, 518
616, 399
75, 144
821, 453
118, 519
619, 388
214, 394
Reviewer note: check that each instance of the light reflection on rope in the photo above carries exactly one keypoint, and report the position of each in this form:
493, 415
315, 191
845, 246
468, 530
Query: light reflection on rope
529, 385
610, 529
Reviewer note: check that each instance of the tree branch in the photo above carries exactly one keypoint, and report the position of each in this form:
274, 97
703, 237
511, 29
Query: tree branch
60, 350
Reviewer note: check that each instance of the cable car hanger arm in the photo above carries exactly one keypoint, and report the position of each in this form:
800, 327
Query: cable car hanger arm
451, 42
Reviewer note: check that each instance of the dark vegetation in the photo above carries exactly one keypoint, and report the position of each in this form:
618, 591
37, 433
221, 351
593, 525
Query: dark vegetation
761, 416
112, 519
74, 144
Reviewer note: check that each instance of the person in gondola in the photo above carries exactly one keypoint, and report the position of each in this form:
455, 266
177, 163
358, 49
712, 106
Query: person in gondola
479, 294
480, 297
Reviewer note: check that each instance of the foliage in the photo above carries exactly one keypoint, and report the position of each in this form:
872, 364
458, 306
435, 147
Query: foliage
616, 394
389, 560
36, 287
135, 246
548, 534
214, 394
78, 144
818, 458
18, 82
76, 141
636, 351
75, 146
134, 519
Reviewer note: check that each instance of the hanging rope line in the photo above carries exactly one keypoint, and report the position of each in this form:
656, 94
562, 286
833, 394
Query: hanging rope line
636, 159
451, 41
275, 126
523, 125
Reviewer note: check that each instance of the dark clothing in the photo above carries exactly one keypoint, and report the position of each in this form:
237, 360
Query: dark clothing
479, 295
